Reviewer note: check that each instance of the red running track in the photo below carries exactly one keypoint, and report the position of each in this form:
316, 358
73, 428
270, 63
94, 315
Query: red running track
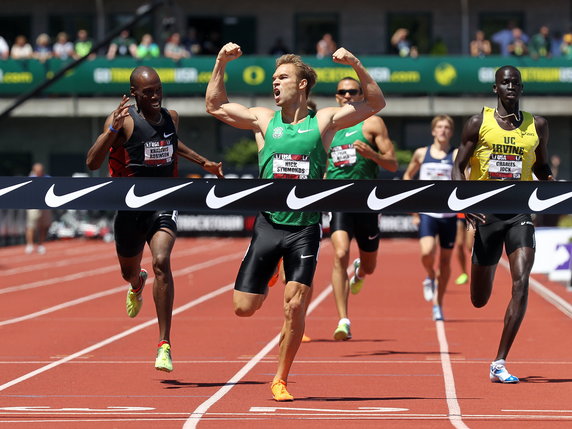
71, 358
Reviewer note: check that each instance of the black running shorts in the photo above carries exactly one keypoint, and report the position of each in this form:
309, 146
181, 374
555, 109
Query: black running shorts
515, 231
298, 245
364, 227
134, 228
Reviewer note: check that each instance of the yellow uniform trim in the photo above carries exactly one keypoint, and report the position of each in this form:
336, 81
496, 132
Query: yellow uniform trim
504, 154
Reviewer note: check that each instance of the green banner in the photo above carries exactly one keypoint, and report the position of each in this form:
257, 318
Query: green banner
253, 75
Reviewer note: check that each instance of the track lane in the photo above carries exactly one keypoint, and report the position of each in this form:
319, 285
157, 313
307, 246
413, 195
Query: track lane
392, 364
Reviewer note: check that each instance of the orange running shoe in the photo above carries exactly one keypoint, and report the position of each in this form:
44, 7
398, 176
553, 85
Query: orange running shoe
276, 274
279, 391
306, 339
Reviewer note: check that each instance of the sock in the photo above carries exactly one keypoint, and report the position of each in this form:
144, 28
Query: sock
139, 286
499, 362
345, 320
163, 342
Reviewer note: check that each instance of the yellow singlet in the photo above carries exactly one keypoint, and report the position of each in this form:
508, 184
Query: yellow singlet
504, 154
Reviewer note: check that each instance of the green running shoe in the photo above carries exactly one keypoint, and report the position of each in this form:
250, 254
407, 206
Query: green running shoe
342, 332
164, 361
462, 279
134, 300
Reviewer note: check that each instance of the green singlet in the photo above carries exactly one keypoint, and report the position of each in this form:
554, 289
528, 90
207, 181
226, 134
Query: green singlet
293, 151
344, 161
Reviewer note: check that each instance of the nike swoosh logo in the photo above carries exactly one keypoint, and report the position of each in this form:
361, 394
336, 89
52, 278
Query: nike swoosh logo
167, 135
537, 205
215, 202
372, 237
349, 134
459, 204
296, 203
133, 201
305, 256
375, 203
4, 191
53, 200
304, 131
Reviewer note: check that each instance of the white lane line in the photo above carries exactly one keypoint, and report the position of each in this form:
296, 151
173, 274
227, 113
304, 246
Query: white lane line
98, 271
123, 288
273, 359
558, 302
538, 411
455, 416
200, 411
114, 338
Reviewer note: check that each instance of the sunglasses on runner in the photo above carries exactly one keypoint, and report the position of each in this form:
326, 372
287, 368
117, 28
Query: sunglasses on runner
349, 91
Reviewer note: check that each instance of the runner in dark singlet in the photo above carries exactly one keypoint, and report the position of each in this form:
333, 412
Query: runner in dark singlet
435, 162
142, 141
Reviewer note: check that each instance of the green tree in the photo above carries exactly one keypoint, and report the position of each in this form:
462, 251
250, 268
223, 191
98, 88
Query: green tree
243, 153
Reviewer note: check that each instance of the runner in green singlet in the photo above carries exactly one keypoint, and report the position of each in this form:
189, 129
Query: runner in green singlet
356, 152
292, 144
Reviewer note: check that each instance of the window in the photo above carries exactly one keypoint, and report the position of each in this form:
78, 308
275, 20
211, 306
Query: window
70, 24
419, 26
309, 29
211, 32
66, 164
491, 22
13, 26
15, 163
142, 27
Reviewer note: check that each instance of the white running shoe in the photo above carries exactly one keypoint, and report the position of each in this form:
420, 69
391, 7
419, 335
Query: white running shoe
428, 288
499, 374
437, 313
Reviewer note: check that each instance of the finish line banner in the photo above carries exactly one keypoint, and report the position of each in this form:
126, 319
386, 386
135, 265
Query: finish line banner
252, 195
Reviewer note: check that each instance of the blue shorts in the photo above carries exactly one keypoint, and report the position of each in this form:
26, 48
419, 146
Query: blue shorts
444, 227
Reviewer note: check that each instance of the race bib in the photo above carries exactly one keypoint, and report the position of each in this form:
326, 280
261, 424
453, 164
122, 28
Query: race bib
434, 171
289, 166
505, 167
158, 153
344, 155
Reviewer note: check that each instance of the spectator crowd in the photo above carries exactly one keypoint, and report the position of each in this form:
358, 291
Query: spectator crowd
63, 47
510, 41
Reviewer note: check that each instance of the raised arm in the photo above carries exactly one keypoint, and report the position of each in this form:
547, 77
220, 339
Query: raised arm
217, 103
373, 99
113, 134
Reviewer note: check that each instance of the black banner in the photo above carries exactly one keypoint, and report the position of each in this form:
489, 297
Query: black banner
252, 195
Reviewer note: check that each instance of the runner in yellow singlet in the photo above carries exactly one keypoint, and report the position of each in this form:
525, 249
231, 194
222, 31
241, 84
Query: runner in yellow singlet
504, 143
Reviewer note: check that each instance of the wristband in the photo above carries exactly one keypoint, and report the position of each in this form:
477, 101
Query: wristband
113, 129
